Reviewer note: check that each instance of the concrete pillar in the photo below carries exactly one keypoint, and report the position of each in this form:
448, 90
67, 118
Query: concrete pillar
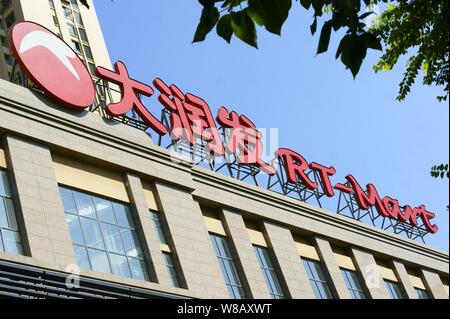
235, 227
38, 203
329, 261
403, 277
288, 258
434, 284
191, 242
152, 250
367, 266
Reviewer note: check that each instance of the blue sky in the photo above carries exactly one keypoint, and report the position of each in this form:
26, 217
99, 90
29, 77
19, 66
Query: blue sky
321, 112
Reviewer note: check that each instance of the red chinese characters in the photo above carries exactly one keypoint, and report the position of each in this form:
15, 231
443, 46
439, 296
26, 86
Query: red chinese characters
190, 117
244, 138
68, 82
130, 89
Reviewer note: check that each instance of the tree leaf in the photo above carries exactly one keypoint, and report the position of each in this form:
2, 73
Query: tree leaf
314, 26
244, 27
224, 28
371, 41
269, 13
352, 50
324, 40
365, 15
306, 4
210, 16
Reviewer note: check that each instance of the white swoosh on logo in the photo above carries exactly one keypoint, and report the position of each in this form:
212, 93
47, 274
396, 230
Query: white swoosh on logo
53, 44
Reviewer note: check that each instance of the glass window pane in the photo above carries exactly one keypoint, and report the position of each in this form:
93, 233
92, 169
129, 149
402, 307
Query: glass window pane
72, 30
227, 266
113, 241
353, 283
84, 204
68, 200
88, 52
75, 229
171, 269
76, 46
99, 243
2, 249
99, 261
394, 290
317, 278
4, 185
11, 214
3, 214
83, 35
269, 272
123, 215
104, 210
82, 257
92, 233
422, 294
78, 18
91, 68
158, 227
119, 265
12, 242
138, 269
131, 243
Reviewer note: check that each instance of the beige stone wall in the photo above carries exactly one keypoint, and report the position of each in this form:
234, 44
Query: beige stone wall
34, 129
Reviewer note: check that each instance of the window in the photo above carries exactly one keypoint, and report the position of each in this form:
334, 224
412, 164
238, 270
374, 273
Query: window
76, 46
51, 4
55, 21
173, 274
167, 255
353, 284
10, 19
72, 30
268, 269
395, 292
91, 68
317, 278
10, 240
422, 293
88, 52
158, 227
78, 18
103, 235
228, 267
68, 13
83, 34
74, 4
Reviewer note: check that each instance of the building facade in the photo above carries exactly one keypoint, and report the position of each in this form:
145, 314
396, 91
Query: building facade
90, 207
72, 22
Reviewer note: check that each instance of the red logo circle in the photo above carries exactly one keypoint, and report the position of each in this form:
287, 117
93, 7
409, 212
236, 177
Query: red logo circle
52, 65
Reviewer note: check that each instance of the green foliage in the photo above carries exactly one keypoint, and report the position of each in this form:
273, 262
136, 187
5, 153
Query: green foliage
240, 17
422, 26
409, 25
440, 171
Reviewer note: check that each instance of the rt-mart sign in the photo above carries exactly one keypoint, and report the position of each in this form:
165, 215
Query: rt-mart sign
58, 71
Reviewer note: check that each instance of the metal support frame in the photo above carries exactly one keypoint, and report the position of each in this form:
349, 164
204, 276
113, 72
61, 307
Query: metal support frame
279, 183
347, 206
199, 155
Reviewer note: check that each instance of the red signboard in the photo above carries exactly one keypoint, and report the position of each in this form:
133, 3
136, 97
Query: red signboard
52, 65
57, 70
